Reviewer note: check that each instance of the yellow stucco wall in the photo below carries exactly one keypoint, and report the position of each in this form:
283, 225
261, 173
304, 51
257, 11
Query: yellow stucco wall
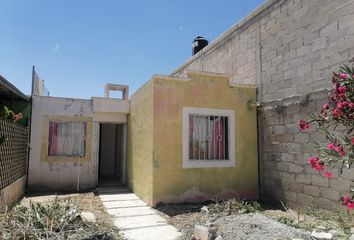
140, 143
171, 182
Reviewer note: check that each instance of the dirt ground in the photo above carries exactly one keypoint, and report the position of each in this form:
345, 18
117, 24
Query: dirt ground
233, 220
83, 202
247, 223
86, 201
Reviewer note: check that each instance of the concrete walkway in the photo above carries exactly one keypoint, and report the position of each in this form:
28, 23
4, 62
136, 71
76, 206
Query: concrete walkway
134, 217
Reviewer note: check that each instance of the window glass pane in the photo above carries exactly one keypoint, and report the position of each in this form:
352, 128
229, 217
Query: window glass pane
67, 139
208, 137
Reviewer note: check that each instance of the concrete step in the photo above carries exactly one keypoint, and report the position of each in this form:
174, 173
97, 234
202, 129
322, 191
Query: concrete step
134, 217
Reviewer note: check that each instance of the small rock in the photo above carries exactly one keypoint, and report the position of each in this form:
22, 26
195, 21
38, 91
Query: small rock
213, 219
321, 235
88, 217
334, 232
99, 237
321, 228
201, 232
213, 230
351, 237
205, 209
219, 238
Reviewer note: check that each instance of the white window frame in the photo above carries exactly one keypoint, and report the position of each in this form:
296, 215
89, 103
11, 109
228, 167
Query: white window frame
230, 162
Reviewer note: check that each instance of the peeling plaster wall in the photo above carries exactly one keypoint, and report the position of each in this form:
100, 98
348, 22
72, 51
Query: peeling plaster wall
64, 175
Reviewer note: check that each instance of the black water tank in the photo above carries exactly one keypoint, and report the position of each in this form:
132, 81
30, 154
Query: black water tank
198, 44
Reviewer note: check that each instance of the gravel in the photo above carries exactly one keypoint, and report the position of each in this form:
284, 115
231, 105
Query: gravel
255, 226
236, 226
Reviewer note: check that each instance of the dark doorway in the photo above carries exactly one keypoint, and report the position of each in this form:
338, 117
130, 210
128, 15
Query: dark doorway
111, 154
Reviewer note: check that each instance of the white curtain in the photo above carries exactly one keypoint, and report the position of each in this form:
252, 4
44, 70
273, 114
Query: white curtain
207, 137
67, 138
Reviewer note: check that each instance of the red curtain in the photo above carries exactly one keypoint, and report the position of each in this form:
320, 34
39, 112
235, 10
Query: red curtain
53, 138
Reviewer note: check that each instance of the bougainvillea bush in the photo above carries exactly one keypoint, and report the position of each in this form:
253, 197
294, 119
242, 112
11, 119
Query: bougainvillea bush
336, 119
8, 115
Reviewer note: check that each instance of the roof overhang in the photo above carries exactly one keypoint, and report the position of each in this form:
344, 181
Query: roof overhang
9, 91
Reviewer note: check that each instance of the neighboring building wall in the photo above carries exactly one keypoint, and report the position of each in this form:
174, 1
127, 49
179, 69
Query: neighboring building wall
12, 193
157, 140
289, 49
62, 174
140, 143
13, 162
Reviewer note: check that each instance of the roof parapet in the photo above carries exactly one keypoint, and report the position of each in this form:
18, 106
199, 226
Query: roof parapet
116, 87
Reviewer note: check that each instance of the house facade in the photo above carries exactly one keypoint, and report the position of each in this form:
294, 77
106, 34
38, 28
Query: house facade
175, 140
66, 138
282, 54
193, 139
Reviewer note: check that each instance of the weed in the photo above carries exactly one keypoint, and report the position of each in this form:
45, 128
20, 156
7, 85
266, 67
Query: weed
58, 220
235, 206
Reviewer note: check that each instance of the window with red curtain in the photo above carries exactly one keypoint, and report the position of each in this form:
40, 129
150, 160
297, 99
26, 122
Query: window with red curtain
67, 139
208, 137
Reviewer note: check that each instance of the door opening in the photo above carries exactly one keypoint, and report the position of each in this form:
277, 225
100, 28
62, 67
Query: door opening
111, 169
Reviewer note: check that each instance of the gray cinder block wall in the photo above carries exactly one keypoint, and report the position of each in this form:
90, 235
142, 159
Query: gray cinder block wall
288, 48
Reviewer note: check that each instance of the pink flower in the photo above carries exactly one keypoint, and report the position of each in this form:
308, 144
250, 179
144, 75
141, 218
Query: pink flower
325, 106
303, 125
342, 89
341, 96
345, 199
352, 141
339, 105
315, 163
343, 76
351, 105
350, 205
331, 146
336, 113
339, 150
328, 174
319, 167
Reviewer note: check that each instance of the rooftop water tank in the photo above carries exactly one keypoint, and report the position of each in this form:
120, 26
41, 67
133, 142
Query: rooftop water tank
198, 44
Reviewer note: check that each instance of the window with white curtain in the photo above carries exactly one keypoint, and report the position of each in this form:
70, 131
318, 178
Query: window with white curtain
208, 138
67, 139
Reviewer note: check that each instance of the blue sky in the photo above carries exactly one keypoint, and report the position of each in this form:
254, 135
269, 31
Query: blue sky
78, 46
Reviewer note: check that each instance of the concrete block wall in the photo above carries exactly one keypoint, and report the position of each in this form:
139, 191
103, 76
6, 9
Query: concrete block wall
288, 48
12, 193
